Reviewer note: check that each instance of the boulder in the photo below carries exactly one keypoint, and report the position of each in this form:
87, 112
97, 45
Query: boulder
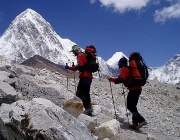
108, 129
7, 93
37, 87
90, 122
73, 106
4, 75
40, 118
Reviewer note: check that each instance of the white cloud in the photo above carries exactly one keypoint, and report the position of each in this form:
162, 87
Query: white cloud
170, 12
124, 5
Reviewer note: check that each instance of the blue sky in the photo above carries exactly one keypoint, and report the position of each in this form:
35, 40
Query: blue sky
151, 27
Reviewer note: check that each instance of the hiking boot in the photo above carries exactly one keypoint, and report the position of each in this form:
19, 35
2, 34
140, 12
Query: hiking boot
133, 126
141, 124
88, 111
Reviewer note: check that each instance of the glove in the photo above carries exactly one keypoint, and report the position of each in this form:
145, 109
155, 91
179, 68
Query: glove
73, 68
66, 67
111, 79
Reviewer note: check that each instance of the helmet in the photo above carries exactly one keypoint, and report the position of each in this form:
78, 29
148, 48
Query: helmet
122, 62
75, 49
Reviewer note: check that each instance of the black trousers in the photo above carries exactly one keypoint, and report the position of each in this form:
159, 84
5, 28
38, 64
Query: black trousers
132, 100
83, 91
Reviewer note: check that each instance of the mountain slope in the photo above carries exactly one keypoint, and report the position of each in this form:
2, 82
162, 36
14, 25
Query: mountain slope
169, 72
41, 63
113, 61
30, 34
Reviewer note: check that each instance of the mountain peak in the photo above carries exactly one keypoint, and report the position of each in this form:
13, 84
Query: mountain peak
28, 14
30, 34
28, 11
113, 61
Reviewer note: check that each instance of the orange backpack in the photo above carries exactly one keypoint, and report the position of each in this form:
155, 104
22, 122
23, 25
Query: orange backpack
138, 70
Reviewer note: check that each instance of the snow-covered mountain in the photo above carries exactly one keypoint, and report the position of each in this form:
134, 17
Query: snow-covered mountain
106, 69
30, 34
169, 72
113, 61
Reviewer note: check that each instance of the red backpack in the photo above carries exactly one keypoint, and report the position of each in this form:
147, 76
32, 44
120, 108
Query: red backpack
92, 63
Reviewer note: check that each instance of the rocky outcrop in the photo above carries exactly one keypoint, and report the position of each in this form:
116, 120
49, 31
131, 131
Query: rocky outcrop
7, 93
42, 119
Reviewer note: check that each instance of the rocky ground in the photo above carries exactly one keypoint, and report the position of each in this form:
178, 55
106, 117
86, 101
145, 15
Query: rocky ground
159, 103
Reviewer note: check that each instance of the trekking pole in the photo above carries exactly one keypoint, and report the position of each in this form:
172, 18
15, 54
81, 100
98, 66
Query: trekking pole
74, 78
123, 93
113, 101
99, 72
67, 75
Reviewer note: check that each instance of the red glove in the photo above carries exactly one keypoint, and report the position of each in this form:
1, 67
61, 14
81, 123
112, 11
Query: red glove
73, 68
111, 79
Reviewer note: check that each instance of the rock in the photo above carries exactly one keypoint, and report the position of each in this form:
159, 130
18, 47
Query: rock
4, 75
90, 122
33, 87
40, 117
11, 81
7, 93
107, 130
19, 70
8, 66
73, 106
